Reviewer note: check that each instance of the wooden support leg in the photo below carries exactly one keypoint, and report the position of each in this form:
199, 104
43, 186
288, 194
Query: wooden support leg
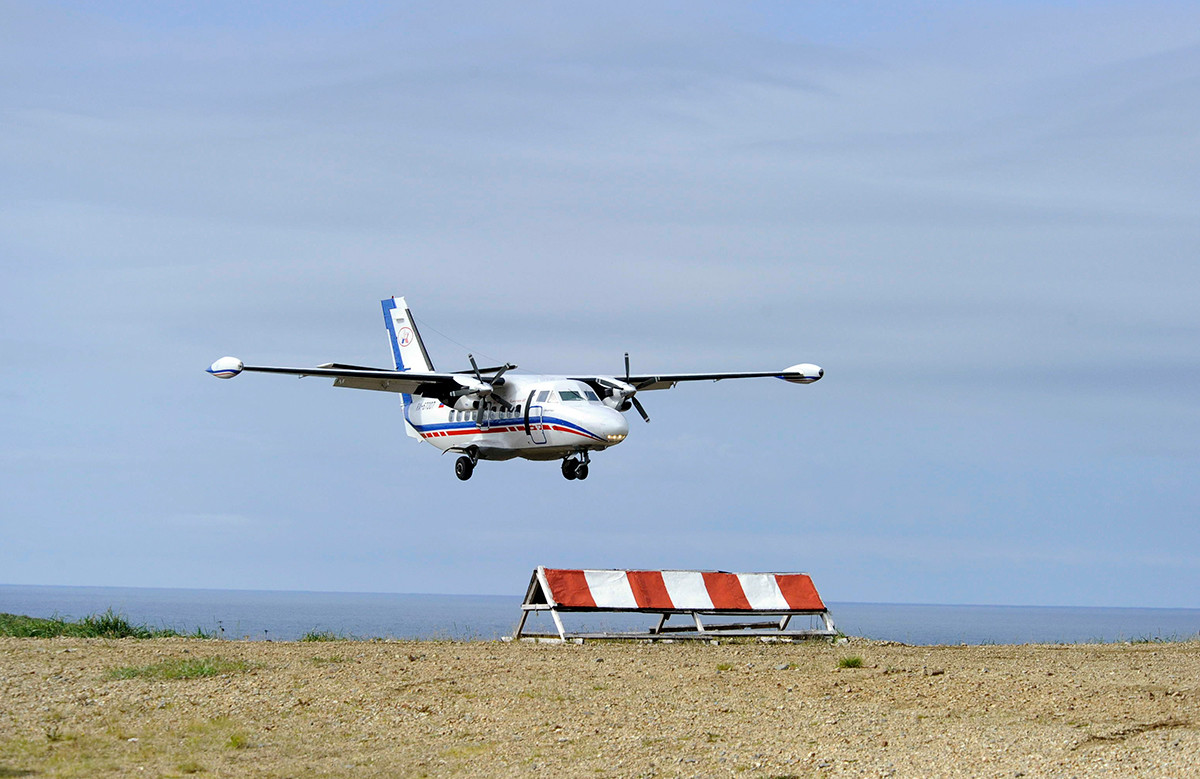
521, 624
699, 624
662, 620
783, 623
558, 624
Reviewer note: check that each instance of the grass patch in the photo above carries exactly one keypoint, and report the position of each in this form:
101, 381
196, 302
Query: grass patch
182, 668
724, 666
328, 660
323, 635
853, 661
107, 625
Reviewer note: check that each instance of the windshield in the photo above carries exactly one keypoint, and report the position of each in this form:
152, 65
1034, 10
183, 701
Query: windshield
569, 395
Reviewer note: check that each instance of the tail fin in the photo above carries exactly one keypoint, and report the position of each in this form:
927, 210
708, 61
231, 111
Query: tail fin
407, 348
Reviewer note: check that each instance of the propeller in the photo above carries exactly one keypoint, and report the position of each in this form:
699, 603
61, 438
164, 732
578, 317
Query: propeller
484, 390
628, 391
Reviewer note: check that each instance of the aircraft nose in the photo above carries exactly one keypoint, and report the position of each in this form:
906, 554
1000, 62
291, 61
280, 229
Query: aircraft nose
614, 427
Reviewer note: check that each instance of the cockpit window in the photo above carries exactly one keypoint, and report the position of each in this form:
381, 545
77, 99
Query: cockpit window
543, 396
591, 396
569, 395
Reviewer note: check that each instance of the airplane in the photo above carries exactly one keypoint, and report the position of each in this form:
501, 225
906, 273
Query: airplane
492, 414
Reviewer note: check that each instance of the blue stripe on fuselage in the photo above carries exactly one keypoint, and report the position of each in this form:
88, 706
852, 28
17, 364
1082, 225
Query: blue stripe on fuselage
517, 421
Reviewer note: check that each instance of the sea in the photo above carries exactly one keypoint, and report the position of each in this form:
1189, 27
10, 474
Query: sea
264, 615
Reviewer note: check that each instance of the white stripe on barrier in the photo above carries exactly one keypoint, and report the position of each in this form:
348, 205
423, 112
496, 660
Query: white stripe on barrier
610, 589
687, 589
762, 590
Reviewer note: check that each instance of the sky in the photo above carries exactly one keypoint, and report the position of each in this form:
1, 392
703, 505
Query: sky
983, 221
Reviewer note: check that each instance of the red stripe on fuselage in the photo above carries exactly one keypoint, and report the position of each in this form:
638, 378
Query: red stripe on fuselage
477, 431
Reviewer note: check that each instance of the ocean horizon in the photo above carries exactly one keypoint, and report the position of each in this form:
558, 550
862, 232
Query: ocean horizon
287, 615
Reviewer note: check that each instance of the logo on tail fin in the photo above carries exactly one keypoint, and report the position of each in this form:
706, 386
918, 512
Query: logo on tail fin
407, 349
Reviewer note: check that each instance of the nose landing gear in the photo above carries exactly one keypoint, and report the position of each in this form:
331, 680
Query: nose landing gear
573, 468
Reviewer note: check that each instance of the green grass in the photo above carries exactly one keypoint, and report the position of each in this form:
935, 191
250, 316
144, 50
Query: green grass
328, 660
181, 668
323, 635
853, 661
106, 625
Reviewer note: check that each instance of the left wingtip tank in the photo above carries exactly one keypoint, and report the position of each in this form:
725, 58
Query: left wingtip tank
226, 367
804, 373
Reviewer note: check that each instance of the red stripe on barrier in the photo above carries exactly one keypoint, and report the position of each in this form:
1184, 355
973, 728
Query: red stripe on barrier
725, 591
649, 589
799, 592
569, 588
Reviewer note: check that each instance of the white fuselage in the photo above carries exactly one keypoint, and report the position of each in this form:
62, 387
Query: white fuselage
551, 417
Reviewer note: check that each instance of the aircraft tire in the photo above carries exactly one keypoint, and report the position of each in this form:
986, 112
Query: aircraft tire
463, 467
569, 469
581, 471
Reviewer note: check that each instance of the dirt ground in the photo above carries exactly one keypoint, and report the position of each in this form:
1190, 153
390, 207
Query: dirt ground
350, 708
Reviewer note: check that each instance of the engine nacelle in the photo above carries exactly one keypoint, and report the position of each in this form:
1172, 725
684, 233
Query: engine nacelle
226, 367
804, 373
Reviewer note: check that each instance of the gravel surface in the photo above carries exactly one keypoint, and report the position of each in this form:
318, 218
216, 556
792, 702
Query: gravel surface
610, 709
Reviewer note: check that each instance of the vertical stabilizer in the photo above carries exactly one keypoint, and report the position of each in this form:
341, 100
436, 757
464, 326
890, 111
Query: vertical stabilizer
407, 349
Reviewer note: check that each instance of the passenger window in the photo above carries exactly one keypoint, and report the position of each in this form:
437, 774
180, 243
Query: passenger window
543, 396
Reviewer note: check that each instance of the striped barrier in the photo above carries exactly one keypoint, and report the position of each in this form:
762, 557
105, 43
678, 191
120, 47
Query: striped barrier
667, 593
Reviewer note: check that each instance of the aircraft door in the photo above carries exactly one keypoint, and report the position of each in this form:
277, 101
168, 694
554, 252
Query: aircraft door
534, 423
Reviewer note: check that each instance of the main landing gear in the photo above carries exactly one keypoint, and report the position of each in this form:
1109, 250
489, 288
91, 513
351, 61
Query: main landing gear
575, 469
465, 466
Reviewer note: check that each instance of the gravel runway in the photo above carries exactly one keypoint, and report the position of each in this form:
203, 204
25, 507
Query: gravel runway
424, 708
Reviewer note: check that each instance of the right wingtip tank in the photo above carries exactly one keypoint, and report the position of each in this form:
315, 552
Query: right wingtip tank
804, 373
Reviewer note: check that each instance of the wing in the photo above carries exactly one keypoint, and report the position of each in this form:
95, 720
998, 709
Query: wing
805, 373
355, 377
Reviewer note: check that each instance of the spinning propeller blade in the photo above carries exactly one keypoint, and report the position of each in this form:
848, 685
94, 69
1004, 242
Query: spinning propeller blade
628, 394
486, 393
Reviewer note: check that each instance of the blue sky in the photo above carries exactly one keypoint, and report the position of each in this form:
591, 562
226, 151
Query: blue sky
983, 220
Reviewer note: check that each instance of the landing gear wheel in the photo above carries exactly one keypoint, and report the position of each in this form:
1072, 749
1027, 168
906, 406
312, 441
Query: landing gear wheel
581, 471
463, 467
569, 469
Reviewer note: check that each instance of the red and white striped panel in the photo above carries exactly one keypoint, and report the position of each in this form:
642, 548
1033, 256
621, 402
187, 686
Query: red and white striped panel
681, 590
